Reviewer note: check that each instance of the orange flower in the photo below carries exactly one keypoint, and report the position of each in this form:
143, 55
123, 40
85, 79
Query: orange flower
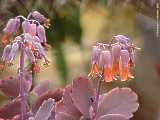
94, 70
107, 72
94, 61
115, 67
115, 59
124, 74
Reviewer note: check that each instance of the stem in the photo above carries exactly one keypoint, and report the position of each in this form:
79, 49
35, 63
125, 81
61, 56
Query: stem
22, 91
97, 96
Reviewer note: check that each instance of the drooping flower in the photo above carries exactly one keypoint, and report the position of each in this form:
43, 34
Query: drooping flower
11, 28
121, 39
26, 26
124, 65
115, 59
107, 65
41, 33
33, 29
39, 17
95, 61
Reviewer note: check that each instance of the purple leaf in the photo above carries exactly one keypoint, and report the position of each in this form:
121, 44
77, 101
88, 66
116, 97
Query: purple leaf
10, 109
82, 92
56, 95
41, 88
121, 101
10, 85
45, 110
66, 105
63, 116
112, 117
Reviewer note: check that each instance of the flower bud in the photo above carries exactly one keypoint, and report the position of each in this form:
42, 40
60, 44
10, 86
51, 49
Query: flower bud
26, 26
38, 16
121, 39
107, 64
41, 33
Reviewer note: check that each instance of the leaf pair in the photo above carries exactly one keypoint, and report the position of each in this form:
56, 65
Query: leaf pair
78, 99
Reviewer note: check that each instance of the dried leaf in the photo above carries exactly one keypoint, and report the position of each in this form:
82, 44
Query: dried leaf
82, 92
45, 110
121, 101
112, 117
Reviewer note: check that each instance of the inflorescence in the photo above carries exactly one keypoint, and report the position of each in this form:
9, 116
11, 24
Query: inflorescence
33, 38
115, 59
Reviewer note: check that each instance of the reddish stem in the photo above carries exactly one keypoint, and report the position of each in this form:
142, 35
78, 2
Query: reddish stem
97, 96
21, 76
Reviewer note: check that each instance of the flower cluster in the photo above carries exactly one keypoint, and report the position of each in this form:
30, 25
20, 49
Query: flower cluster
116, 59
32, 41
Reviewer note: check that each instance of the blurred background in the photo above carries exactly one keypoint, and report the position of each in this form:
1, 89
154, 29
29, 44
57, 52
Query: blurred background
76, 25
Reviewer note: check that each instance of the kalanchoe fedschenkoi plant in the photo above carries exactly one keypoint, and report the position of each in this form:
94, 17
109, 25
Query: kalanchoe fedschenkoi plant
80, 100
31, 43
117, 59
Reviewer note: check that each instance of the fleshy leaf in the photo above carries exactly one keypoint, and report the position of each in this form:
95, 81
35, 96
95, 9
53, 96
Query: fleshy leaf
63, 116
10, 109
121, 101
10, 85
66, 105
82, 92
45, 110
41, 88
56, 95
112, 117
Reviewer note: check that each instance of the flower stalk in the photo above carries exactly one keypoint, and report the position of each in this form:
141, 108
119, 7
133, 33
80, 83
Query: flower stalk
98, 90
22, 94
30, 42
